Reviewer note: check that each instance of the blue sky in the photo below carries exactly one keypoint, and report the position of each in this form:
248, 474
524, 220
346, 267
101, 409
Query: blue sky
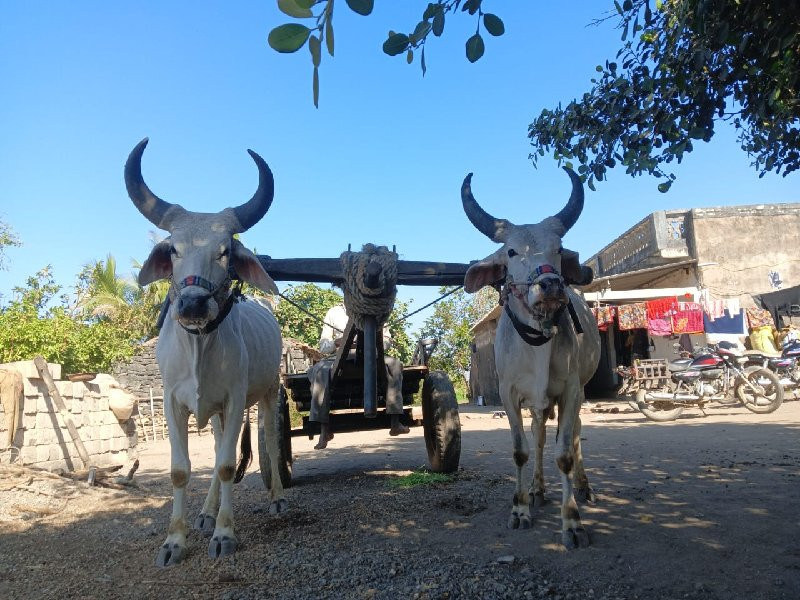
380, 161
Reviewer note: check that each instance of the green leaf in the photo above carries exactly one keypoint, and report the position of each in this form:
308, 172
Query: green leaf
315, 87
422, 62
293, 9
438, 23
362, 7
627, 5
315, 46
420, 31
410, 56
395, 44
475, 48
664, 187
288, 38
494, 24
430, 11
329, 35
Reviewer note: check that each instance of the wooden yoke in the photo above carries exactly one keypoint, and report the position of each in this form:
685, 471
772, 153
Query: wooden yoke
329, 270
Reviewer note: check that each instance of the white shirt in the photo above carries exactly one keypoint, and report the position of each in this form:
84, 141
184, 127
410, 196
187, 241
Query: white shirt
335, 322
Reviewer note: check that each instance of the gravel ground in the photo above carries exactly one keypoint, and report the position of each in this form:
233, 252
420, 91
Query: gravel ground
700, 508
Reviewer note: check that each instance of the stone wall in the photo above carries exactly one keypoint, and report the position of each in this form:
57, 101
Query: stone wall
41, 435
140, 373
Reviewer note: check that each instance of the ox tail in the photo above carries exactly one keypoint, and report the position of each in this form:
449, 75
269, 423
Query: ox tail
246, 456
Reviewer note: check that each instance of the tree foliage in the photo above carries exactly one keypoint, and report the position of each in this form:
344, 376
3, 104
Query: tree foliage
298, 324
450, 323
290, 37
29, 325
684, 66
8, 237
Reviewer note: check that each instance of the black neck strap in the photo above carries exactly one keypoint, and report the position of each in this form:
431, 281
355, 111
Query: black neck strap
529, 335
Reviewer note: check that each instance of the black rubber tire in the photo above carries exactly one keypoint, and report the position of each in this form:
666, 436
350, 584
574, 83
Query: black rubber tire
653, 409
769, 382
282, 427
441, 423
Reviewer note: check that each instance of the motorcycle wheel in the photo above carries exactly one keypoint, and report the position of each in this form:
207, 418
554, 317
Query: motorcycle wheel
657, 410
770, 391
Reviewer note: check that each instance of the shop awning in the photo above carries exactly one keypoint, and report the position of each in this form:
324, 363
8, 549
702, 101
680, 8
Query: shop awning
636, 280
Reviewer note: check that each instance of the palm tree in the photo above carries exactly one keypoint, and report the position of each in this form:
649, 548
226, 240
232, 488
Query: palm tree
108, 296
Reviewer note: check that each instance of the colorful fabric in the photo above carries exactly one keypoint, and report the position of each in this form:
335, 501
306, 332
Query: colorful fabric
688, 318
661, 308
604, 315
632, 316
758, 317
659, 326
761, 338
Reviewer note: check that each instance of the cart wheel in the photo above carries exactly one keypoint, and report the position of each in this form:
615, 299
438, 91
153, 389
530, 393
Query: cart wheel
440, 422
282, 428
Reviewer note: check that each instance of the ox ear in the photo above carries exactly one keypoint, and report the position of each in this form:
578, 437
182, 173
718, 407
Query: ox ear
484, 272
572, 271
249, 269
158, 265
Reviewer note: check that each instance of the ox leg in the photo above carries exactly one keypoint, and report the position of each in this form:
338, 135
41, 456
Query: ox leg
277, 499
539, 430
205, 521
173, 550
223, 541
583, 491
573, 534
520, 509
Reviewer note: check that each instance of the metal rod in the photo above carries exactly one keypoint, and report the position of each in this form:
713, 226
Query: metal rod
370, 371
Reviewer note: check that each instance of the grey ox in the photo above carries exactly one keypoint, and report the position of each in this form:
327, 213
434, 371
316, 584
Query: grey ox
546, 348
217, 356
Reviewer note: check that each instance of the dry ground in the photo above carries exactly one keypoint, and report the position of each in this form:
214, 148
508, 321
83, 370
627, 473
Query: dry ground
705, 507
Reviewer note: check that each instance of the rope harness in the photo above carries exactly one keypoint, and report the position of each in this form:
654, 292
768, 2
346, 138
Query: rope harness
362, 301
217, 292
530, 335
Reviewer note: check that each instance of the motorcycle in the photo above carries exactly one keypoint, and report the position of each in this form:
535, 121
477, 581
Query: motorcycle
786, 366
713, 373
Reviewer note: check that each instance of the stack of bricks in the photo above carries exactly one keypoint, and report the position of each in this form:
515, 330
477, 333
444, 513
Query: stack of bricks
41, 436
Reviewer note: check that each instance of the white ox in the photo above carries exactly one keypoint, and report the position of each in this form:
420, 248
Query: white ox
546, 348
217, 357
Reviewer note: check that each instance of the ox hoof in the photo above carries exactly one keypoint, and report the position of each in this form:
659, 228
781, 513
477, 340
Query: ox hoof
519, 522
278, 506
205, 523
170, 554
585, 495
575, 538
222, 546
539, 500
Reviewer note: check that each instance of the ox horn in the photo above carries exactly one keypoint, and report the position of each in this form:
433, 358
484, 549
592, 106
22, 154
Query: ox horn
151, 206
570, 213
251, 211
494, 229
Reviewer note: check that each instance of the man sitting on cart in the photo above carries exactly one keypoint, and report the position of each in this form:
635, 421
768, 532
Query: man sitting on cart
319, 375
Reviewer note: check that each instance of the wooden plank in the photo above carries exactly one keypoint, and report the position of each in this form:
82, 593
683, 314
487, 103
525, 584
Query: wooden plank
329, 270
44, 373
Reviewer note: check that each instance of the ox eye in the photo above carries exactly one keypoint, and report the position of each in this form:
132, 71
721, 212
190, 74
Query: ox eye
512, 253
173, 251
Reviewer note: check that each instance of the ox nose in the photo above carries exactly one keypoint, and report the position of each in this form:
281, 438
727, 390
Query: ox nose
552, 288
194, 306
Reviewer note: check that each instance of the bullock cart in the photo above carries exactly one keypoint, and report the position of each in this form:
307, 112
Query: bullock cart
356, 394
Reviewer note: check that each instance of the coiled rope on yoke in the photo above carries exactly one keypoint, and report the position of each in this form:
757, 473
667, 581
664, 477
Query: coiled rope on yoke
360, 300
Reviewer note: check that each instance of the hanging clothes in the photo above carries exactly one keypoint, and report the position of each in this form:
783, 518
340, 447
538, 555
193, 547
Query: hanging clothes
726, 324
758, 317
688, 318
659, 315
632, 316
604, 315
780, 304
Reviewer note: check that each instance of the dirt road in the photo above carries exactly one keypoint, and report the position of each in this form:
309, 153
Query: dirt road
701, 508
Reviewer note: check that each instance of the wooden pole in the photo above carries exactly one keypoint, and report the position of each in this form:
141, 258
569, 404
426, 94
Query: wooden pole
152, 414
44, 373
